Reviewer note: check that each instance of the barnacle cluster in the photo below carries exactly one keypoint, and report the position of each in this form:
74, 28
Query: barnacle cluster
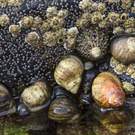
4, 3
115, 15
126, 74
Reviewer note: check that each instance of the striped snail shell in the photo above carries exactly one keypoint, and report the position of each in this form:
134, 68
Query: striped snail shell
68, 73
63, 108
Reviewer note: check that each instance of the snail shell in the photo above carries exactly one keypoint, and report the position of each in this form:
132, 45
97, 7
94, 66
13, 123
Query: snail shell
123, 49
68, 73
35, 96
107, 91
5, 99
63, 110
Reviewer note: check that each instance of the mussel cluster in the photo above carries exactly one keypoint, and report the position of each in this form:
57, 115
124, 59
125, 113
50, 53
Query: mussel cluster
73, 70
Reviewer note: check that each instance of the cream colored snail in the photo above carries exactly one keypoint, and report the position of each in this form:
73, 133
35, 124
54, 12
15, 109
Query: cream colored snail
68, 73
123, 49
35, 96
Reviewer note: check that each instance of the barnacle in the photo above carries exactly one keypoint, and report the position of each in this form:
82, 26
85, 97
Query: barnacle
32, 38
120, 69
107, 15
96, 17
14, 29
37, 22
128, 87
51, 12
118, 30
26, 21
14, 2
4, 20
124, 16
130, 23
101, 7
126, 4
71, 37
85, 5
125, 72
113, 18
53, 38
83, 21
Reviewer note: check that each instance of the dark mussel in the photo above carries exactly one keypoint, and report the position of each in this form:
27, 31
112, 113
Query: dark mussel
63, 107
88, 77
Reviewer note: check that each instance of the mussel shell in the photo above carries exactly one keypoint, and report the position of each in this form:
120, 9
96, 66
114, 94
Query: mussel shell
63, 110
88, 77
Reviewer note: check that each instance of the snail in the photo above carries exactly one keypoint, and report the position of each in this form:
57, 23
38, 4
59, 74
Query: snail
63, 108
6, 102
36, 97
68, 73
107, 91
123, 49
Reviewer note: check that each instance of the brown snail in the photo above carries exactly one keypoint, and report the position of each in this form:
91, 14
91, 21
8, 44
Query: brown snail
107, 91
35, 96
123, 49
68, 73
63, 108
